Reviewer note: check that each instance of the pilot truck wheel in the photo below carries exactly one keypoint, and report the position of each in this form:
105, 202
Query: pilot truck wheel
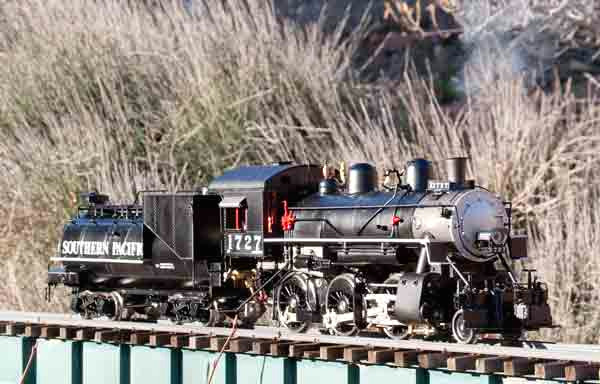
459, 332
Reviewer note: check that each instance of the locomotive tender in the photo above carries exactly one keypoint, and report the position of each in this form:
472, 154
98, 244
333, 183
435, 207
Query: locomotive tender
418, 258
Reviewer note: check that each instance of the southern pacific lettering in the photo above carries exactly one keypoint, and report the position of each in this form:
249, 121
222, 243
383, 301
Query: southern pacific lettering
99, 248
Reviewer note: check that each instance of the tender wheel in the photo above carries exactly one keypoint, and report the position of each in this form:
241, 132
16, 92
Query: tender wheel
339, 302
189, 310
97, 305
292, 297
119, 303
459, 332
207, 317
397, 332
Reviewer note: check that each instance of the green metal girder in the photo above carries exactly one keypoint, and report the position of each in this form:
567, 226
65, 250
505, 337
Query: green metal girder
196, 367
105, 363
449, 377
378, 374
258, 369
316, 371
74, 362
58, 362
14, 355
149, 365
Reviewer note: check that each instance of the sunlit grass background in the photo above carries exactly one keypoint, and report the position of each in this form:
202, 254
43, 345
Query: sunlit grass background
119, 98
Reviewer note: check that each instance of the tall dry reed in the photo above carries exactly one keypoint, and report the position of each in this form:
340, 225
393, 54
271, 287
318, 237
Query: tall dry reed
121, 97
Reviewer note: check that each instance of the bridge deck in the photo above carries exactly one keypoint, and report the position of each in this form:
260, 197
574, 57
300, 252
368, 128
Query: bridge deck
71, 350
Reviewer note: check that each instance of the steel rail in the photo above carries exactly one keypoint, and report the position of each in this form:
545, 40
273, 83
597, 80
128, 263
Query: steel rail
529, 349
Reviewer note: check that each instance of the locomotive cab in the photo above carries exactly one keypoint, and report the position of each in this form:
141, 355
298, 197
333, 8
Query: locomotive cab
254, 205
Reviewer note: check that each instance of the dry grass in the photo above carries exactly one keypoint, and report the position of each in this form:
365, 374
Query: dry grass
120, 98
564, 251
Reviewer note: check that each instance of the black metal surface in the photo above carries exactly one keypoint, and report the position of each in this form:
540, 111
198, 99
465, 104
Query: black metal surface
422, 263
103, 239
187, 223
266, 177
108, 247
372, 254
457, 168
362, 178
92, 198
359, 210
417, 174
411, 296
178, 245
328, 187
266, 190
518, 247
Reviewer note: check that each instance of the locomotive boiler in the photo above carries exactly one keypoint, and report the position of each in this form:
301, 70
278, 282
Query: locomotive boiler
414, 258
472, 220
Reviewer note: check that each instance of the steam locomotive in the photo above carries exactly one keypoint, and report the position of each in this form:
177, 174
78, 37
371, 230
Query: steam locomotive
418, 258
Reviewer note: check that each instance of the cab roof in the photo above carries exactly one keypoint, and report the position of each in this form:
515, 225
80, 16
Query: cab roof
260, 176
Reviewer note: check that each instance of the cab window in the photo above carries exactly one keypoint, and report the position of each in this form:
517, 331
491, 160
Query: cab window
235, 212
236, 218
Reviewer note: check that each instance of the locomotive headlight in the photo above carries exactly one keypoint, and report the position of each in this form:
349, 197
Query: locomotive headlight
496, 237
499, 236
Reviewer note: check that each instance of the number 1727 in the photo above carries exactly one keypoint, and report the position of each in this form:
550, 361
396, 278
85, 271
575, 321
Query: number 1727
244, 243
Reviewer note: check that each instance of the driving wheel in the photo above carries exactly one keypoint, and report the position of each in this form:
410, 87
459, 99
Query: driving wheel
340, 302
292, 298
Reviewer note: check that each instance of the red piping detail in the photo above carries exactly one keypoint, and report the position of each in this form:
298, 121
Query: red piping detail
288, 219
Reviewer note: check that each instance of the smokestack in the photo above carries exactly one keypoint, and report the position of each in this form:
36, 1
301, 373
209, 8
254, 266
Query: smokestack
417, 174
457, 167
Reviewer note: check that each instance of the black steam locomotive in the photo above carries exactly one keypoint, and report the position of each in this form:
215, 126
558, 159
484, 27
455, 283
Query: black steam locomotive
416, 258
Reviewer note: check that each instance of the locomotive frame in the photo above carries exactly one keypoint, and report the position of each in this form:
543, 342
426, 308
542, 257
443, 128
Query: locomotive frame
423, 259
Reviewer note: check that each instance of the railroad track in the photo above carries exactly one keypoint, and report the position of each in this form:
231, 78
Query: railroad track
571, 362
